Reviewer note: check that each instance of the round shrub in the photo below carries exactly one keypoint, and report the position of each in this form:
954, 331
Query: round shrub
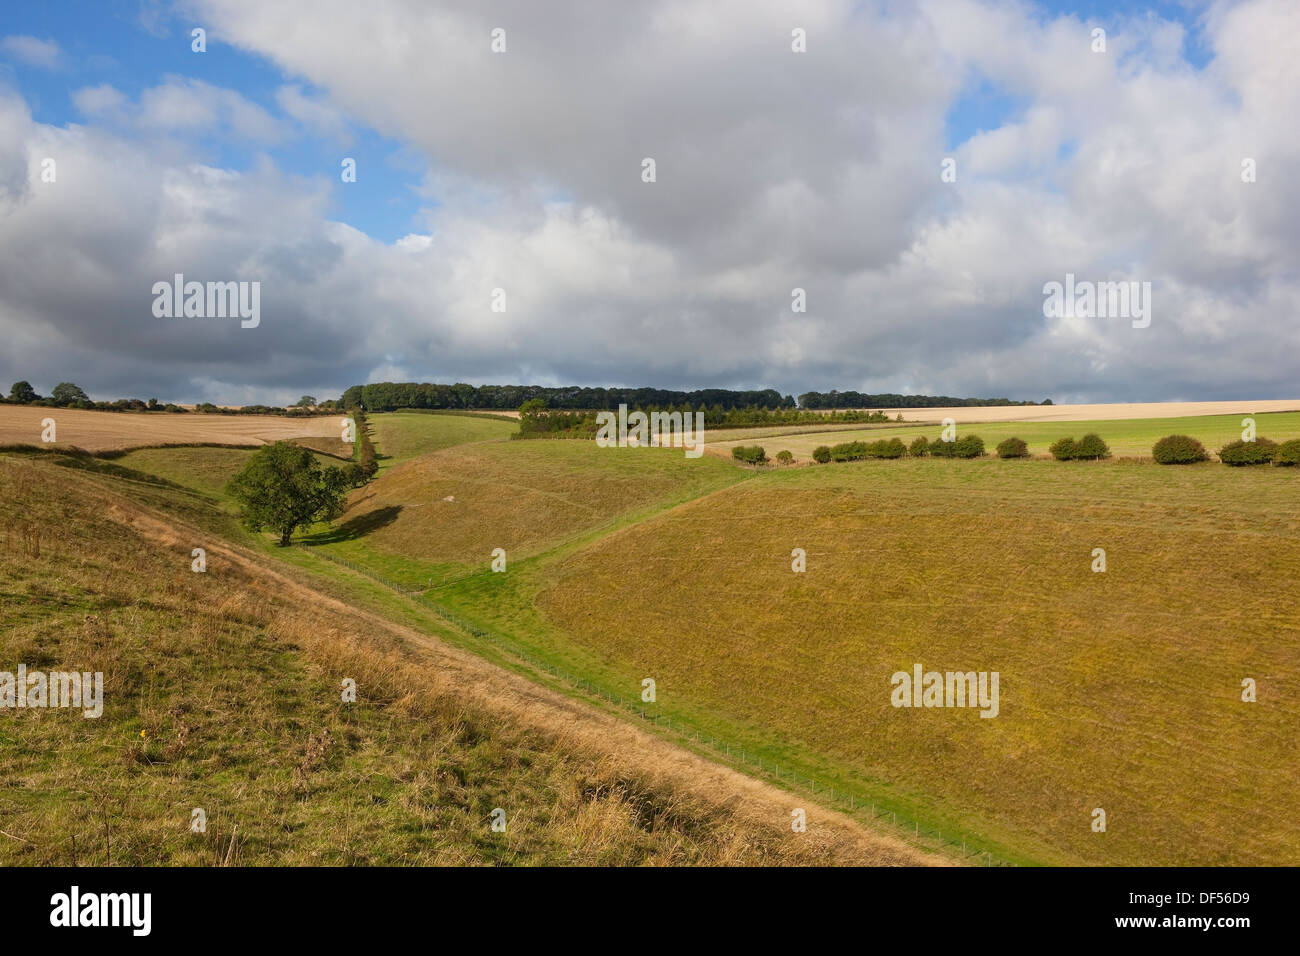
1257, 452
822, 454
1179, 450
785, 457
1012, 448
1288, 453
891, 448
920, 447
1091, 447
968, 446
1063, 449
750, 454
849, 450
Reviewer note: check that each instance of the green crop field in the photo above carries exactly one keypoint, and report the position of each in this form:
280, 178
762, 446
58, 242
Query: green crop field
1131, 438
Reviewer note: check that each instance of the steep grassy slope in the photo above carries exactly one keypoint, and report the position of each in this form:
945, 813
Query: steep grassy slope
222, 692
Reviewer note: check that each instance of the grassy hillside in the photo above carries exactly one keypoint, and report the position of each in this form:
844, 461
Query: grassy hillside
1127, 438
222, 691
445, 512
1119, 690
401, 436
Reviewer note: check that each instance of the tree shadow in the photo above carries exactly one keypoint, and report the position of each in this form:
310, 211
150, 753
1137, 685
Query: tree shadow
357, 527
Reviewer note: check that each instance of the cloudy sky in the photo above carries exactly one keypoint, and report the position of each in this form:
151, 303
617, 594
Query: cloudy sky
774, 170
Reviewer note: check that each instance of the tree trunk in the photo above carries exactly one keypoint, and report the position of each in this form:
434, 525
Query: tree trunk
284, 537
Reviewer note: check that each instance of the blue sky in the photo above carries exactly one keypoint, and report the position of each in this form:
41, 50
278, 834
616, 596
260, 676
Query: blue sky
523, 172
133, 46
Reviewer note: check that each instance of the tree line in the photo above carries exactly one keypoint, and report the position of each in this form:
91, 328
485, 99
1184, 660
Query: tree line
387, 396
70, 395
836, 399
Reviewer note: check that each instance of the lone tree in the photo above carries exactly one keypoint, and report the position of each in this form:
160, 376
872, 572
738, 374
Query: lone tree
23, 392
307, 401
65, 393
283, 488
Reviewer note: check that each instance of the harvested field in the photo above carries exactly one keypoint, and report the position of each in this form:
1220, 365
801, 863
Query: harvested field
108, 431
1098, 412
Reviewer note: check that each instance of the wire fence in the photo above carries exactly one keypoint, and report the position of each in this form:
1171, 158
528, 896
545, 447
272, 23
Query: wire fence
724, 750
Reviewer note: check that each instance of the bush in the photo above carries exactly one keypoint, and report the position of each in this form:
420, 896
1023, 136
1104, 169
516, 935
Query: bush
849, 451
968, 446
1288, 453
1013, 448
750, 454
1063, 449
1091, 447
822, 454
1257, 452
887, 448
919, 447
856, 450
1179, 450
785, 457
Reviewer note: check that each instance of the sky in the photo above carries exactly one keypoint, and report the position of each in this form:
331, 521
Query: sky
922, 171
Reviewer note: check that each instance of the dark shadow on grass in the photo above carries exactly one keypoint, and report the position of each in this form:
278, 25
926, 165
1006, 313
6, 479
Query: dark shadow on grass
99, 467
357, 527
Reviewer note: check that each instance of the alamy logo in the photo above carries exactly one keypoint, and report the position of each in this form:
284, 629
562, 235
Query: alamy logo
1098, 300
103, 909
56, 689
214, 300
638, 429
950, 689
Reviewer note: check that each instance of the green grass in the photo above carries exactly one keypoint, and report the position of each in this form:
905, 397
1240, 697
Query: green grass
221, 691
402, 436
522, 496
1119, 690
205, 470
1127, 438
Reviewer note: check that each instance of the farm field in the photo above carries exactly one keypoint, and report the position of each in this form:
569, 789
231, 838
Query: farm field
1101, 412
1126, 437
106, 431
1119, 690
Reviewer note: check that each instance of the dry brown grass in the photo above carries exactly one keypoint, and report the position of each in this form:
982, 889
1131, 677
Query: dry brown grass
1117, 411
107, 431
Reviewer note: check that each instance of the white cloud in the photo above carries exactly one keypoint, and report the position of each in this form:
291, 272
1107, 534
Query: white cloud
775, 170
102, 101
32, 51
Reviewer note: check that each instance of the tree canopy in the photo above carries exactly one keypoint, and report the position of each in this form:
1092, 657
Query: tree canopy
284, 489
